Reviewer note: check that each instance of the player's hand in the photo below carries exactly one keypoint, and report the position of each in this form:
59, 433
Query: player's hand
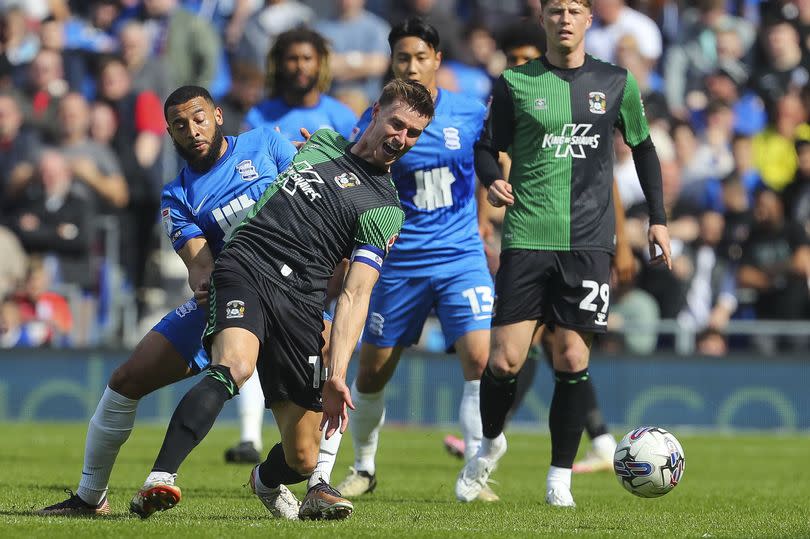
304, 133
201, 294
336, 397
658, 235
500, 194
624, 263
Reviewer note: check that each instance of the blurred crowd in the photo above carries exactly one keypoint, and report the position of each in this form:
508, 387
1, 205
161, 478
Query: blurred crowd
84, 152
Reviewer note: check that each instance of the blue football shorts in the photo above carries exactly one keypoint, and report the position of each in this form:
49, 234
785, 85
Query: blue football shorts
400, 305
184, 326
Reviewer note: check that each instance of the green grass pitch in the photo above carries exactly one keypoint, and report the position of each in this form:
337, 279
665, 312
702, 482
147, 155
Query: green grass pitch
734, 486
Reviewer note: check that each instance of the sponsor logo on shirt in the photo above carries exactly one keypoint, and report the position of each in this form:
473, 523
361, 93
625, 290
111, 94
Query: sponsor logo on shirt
301, 176
247, 170
597, 102
346, 180
572, 141
235, 309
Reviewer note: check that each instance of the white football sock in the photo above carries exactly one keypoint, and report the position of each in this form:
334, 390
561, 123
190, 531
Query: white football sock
109, 428
604, 444
469, 415
366, 421
493, 447
251, 411
327, 453
558, 476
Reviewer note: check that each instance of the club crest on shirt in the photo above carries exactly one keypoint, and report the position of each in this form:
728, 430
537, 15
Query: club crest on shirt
235, 309
597, 102
540, 103
346, 180
247, 170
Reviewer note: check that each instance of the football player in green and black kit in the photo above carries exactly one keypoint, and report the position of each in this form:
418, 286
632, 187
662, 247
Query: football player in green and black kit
556, 116
266, 297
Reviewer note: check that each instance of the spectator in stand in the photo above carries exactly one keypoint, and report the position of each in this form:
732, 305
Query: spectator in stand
728, 87
188, 45
247, 87
14, 332
103, 123
796, 196
18, 151
46, 86
95, 166
53, 220
710, 298
52, 37
39, 304
13, 263
629, 56
473, 73
613, 20
437, 16
696, 55
147, 71
712, 158
774, 149
17, 44
297, 77
266, 24
786, 68
359, 52
137, 143
776, 262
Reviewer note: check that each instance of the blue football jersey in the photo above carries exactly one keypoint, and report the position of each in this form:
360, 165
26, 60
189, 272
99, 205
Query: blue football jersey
211, 204
329, 113
436, 184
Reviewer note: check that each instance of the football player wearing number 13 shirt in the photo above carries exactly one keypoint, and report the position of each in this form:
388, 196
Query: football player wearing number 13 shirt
555, 116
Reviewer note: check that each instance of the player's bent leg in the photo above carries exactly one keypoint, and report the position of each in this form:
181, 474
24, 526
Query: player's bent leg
154, 363
233, 353
571, 352
300, 439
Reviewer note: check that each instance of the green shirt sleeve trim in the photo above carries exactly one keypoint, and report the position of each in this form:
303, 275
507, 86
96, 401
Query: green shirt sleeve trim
379, 227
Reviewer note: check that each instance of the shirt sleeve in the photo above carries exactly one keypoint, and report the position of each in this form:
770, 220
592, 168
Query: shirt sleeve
631, 121
345, 122
252, 119
178, 222
360, 127
377, 230
281, 150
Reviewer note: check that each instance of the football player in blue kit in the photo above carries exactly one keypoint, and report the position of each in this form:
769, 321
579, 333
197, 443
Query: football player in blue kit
224, 177
297, 79
437, 263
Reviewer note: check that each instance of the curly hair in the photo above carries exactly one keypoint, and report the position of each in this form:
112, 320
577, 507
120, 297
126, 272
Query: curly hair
275, 77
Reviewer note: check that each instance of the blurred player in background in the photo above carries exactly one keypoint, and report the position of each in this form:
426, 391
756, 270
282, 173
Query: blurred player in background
438, 261
556, 117
224, 178
297, 80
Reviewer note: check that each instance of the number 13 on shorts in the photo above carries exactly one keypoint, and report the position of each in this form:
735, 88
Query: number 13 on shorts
588, 304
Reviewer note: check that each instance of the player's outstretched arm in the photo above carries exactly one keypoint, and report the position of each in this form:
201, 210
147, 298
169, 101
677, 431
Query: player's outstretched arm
350, 315
200, 263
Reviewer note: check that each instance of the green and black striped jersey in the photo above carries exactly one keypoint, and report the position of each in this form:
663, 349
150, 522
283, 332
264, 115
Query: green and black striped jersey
325, 206
557, 125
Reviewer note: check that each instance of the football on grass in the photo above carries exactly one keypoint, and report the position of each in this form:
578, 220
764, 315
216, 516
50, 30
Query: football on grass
649, 462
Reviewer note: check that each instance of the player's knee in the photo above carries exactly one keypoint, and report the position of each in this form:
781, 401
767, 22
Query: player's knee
240, 370
571, 359
503, 369
124, 382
